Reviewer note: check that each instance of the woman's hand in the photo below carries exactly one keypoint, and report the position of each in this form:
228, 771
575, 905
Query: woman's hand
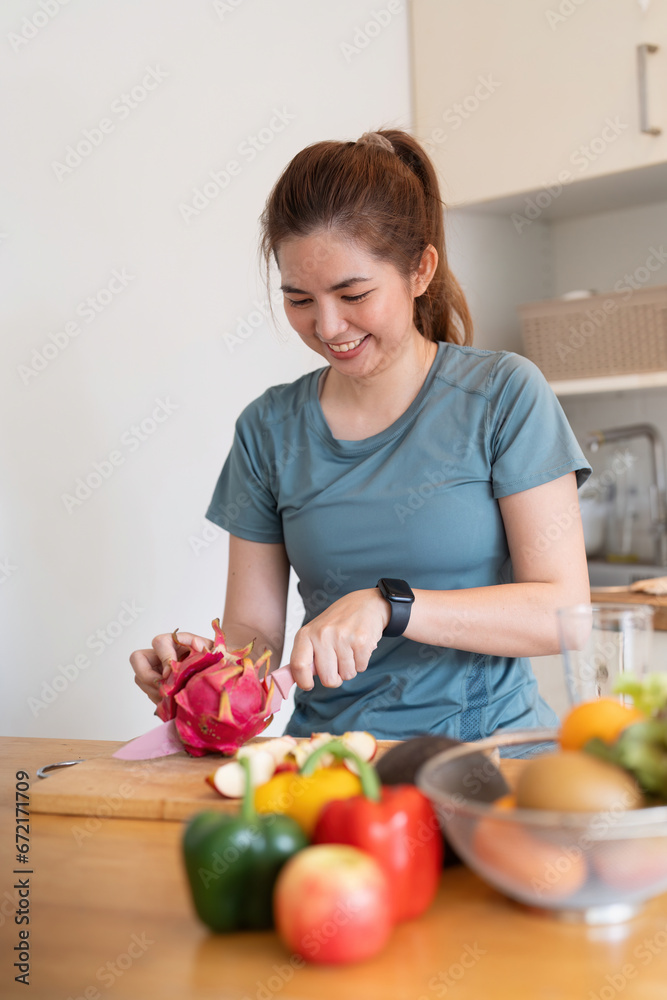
339, 642
152, 666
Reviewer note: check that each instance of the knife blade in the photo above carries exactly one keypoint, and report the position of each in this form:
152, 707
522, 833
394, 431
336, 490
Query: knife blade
159, 742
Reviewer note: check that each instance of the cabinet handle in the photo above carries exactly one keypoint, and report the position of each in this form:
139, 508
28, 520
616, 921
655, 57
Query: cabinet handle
642, 52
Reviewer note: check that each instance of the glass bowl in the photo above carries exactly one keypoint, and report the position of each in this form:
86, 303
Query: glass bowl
587, 867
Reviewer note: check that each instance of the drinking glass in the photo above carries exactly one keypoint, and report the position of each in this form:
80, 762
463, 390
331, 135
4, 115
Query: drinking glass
599, 642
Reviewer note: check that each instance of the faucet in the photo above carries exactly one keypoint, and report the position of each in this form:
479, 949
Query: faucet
657, 494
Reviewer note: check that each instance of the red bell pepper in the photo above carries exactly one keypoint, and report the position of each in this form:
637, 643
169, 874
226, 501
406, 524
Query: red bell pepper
397, 825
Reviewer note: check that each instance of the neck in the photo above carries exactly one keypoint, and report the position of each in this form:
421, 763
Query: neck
358, 407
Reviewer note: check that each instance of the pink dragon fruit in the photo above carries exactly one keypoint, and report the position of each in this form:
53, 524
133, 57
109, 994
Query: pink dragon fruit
217, 697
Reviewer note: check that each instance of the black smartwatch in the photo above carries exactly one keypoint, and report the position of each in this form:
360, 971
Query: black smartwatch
401, 599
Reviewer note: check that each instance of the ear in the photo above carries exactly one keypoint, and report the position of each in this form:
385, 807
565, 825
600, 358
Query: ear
424, 273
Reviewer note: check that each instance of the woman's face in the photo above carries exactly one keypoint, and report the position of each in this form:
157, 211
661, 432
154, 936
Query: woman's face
352, 309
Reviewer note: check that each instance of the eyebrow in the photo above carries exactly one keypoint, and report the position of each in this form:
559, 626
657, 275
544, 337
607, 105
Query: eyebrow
334, 288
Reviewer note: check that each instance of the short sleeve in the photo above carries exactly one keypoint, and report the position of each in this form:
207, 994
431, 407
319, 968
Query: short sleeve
243, 502
529, 438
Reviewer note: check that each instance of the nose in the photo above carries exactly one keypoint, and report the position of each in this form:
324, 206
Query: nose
330, 322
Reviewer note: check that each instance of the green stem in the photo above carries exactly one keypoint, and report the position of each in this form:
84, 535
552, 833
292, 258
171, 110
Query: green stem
248, 811
370, 783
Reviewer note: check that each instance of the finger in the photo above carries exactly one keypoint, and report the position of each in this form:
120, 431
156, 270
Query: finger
146, 665
347, 665
150, 690
362, 656
167, 650
326, 665
197, 642
301, 662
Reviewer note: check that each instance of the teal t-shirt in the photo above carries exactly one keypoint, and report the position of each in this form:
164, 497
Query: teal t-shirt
417, 502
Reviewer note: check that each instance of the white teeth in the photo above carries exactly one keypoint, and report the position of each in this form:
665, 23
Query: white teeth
343, 348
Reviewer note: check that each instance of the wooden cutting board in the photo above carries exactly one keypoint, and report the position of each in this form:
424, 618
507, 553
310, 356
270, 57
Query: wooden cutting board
620, 595
172, 787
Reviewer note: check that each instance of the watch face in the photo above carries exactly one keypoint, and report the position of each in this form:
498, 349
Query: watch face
396, 590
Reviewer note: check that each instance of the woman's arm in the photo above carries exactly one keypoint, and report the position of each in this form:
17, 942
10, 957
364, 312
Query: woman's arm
546, 545
256, 600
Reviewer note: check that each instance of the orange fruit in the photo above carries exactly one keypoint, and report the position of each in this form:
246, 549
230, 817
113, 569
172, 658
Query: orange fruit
605, 717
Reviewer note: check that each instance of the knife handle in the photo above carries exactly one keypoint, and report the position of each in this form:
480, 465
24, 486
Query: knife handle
283, 678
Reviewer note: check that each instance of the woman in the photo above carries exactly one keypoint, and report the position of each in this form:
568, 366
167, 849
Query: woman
411, 456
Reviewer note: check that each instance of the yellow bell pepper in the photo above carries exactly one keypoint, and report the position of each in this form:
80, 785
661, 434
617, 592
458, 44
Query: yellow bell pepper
303, 797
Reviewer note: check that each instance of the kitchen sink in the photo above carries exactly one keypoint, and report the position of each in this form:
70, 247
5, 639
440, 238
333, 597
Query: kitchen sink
608, 574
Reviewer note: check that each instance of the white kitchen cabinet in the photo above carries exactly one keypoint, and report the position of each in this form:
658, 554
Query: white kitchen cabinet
535, 94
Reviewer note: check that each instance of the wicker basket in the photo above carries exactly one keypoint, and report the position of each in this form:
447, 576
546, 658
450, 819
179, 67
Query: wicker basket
620, 333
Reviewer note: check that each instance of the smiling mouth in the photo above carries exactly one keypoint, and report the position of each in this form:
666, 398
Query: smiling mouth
344, 348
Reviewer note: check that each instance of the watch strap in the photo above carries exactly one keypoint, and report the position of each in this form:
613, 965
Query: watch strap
400, 603
400, 616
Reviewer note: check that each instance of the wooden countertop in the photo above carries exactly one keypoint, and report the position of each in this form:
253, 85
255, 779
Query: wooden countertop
622, 595
110, 914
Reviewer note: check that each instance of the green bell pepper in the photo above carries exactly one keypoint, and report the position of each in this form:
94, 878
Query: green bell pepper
232, 863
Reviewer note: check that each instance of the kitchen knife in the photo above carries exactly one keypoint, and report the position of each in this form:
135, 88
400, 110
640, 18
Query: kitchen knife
164, 739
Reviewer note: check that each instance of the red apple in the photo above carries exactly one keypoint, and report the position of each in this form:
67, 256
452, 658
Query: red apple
332, 904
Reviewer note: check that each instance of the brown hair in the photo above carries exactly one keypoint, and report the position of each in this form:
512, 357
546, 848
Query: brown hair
383, 193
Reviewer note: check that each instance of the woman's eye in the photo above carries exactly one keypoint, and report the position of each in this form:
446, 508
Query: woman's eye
298, 302
356, 298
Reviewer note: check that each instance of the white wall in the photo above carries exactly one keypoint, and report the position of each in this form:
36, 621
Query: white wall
179, 336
